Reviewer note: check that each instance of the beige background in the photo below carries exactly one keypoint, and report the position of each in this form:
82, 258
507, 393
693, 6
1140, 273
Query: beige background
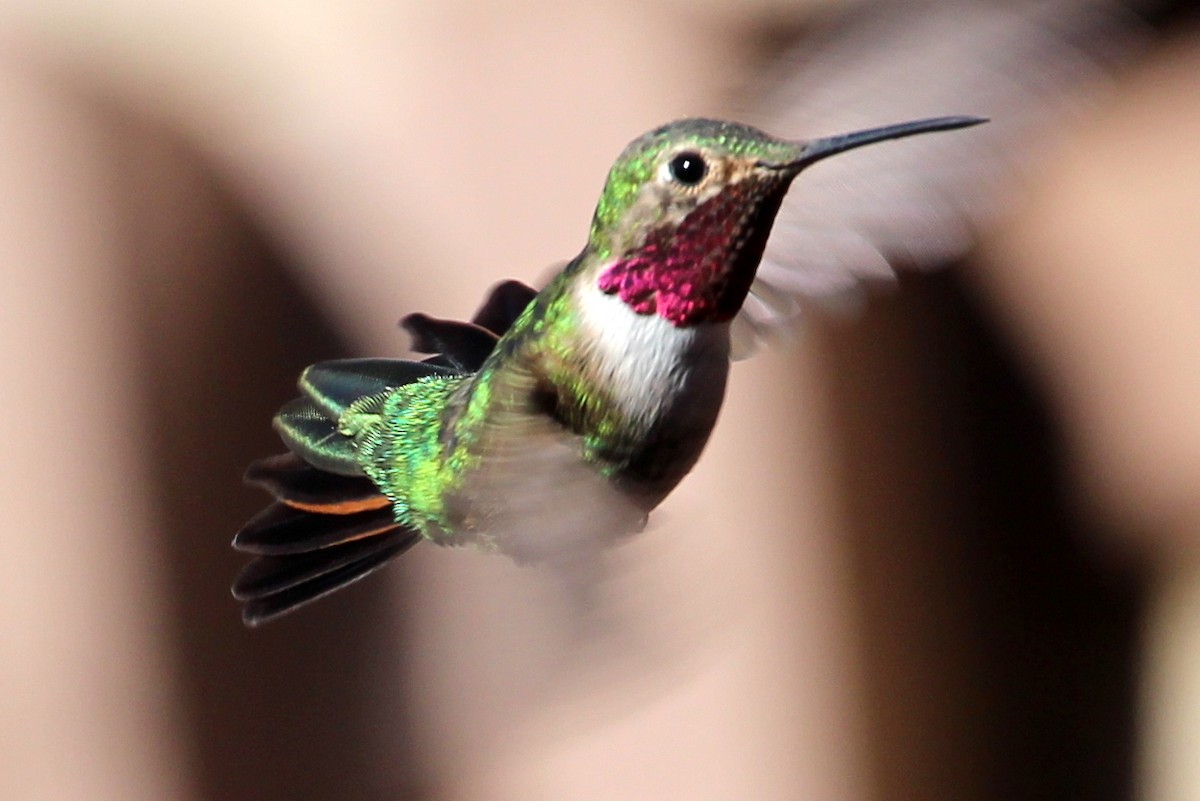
196, 202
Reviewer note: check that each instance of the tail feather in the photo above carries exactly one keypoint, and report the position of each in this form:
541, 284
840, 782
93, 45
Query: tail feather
332, 386
273, 586
270, 575
309, 425
314, 437
295, 482
330, 525
280, 530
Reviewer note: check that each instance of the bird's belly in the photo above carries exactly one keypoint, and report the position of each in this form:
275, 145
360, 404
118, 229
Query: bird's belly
678, 434
667, 384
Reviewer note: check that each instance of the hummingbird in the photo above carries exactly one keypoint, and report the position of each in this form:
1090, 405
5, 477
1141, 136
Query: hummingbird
550, 425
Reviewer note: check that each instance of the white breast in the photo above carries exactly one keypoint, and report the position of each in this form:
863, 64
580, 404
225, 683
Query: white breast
646, 361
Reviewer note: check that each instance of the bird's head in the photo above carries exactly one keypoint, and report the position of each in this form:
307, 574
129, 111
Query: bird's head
687, 208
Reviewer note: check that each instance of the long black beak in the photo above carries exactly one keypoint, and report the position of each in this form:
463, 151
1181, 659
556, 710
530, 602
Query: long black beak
814, 150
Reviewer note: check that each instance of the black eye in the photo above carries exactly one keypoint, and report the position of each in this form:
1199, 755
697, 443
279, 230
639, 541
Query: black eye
688, 168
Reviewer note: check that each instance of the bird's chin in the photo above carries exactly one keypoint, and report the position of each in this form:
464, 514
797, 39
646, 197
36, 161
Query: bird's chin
748, 251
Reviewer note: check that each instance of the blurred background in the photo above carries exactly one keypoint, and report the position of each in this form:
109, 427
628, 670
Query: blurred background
944, 547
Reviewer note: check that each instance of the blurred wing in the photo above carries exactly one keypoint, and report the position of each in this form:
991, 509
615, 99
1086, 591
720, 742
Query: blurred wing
537, 497
917, 203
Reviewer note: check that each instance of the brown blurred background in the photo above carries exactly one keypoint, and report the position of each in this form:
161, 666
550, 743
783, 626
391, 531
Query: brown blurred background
945, 549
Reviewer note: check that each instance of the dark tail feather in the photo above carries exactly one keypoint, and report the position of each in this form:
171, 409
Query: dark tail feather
332, 386
309, 425
323, 532
270, 575
298, 484
280, 530
330, 525
271, 586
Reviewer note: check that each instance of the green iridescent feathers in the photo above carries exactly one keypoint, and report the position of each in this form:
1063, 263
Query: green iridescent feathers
330, 523
309, 425
545, 427
399, 442
370, 416
637, 164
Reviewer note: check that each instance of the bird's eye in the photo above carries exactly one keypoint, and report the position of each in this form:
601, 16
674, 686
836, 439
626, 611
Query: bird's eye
688, 168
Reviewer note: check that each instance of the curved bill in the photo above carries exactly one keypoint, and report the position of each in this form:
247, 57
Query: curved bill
814, 150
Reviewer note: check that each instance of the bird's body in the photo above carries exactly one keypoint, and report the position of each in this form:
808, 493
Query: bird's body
630, 395
558, 420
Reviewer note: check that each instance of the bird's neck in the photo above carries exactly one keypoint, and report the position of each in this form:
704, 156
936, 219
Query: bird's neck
641, 392
698, 270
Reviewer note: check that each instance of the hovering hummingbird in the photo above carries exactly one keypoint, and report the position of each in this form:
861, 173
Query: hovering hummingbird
554, 422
